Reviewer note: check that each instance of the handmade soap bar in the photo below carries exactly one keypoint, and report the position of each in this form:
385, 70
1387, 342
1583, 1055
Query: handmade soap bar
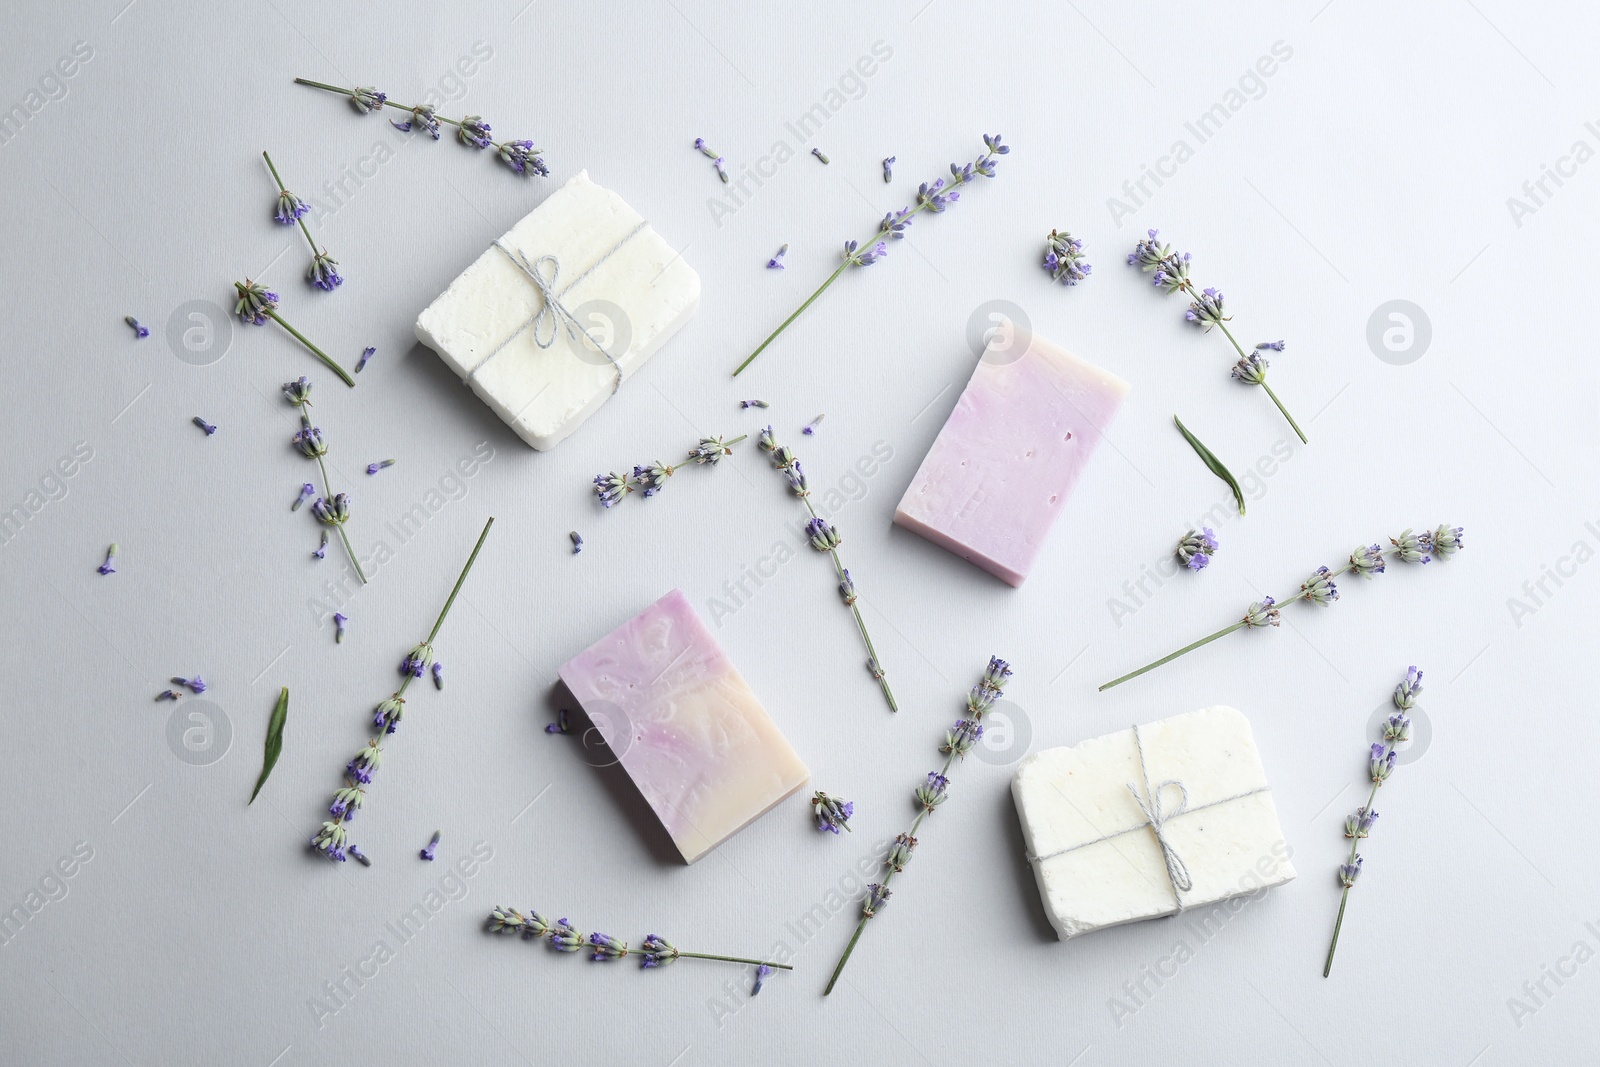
684, 725
559, 312
1150, 821
1002, 468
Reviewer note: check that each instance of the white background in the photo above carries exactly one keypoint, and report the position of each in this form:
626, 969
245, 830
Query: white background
1374, 164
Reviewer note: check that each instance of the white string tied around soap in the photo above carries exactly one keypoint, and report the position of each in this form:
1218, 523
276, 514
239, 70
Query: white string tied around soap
553, 314
1156, 818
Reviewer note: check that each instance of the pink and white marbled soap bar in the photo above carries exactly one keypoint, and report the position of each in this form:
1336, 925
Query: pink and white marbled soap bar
1008, 457
685, 725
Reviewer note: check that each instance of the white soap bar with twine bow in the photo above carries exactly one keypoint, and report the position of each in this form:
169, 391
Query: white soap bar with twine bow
558, 313
1166, 817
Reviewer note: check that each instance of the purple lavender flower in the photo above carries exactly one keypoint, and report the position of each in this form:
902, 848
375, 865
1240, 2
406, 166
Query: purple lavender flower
797, 479
1206, 309
810, 428
1413, 548
867, 258
388, 713
169, 694
651, 477
256, 302
429, 849
1251, 369
564, 937
331, 840
611, 488
366, 354
888, 169
833, 814
931, 197
1367, 560
560, 725
895, 224
365, 98
109, 566
1397, 729
1196, 549
361, 768
418, 660
1447, 541
1319, 587
140, 330
335, 512
438, 674
339, 620
1270, 346
818, 153
322, 549
523, 158
1172, 273
1405, 694
421, 115
847, 588
1360, 824
307, 490
374, 468
776, 262
1149, 252
346, 802
1381, 763
204, 425
605, 948
932, 793
1063, 258
710, 450
657, 952
290, 208
959, 739
194, 685
298, 392
1263, 612
474, 132
577, 541
996, 674
900, 852
1349, 871
308, 439
877, 897
824, 538
324, 272
762, 970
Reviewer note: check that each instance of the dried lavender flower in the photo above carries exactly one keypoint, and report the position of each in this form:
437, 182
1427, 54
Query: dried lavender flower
560, 725
1318, 588
832, 813
1380, 766
364, 98
110, 565
195, 685
339, 621
366, 354
577, 541
140, 330
523, 158
932, 197
257, 304
776, 262
929, 795
818, 153
473, 132
1196, 549
324, 272
1063, 258
374, 468
888, 169
825, 538
438, 675
307, 491
431, 847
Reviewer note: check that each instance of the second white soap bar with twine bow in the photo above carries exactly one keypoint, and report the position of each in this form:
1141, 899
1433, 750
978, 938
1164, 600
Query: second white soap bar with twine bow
1154, 820
550, 321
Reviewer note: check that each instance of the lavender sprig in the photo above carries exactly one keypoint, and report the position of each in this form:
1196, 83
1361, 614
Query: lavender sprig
1320, 587
333, 509
471, 131
1063, 258
825, 538
832, 813
933, 197
930, 795
1206, 309
1380, 765
257, 304
650, 478
324, 272
656, 951
332, 839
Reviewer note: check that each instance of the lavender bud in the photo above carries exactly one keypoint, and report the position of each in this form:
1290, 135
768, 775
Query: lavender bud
1413, 548
1206, 309
824, 538
1320, 588
418, 660
1348, 872
306, 491
290, 208
931, 794
1405, 694
339, 620
324, 272
335, 512
611, 488
140, 330
474, 132
1251, 369
429, 849
1196, 549
833, 814
1263, 612
1367, 560
109, 566
365, 98
657, 951
1447, 541
877, 897
900, 852
888, 169
565, 938
605, 948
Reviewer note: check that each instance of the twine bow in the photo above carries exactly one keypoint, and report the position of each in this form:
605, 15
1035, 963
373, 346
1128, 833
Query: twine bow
546, 323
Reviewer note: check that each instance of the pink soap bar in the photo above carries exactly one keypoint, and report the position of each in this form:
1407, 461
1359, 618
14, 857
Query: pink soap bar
1002, 468
685, 725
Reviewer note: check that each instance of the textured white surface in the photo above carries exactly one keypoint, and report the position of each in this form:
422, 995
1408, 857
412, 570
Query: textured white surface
1375, 164
481, 328
685, 725
1075, 809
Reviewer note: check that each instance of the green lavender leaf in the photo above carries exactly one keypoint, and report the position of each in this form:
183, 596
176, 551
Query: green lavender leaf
1211, 461
269, 758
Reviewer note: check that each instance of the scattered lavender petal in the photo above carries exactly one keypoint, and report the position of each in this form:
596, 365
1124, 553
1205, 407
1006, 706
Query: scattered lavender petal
365, 355
754, 404
577, 542
433, 843
438, 675
888, 169
560, 725
359, 856
776, 262
762, 971
322, 549
167, 694
109, 566
810, 428
339, 619
140, 330
374, 468
307, 490
818, 153
204, 425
